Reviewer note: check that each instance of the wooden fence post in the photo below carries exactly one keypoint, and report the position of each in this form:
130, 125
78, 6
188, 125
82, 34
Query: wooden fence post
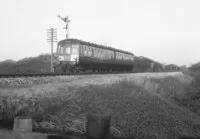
98, 127
22, 124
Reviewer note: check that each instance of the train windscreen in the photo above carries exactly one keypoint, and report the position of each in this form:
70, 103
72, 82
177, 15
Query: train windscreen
64, 49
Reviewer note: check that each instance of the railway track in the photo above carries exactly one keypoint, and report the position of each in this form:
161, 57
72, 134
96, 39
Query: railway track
28, 75
55, 74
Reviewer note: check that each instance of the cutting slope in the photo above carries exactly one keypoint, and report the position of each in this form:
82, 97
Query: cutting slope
142, 105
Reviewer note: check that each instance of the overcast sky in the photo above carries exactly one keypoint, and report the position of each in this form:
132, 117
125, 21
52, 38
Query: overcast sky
167, 31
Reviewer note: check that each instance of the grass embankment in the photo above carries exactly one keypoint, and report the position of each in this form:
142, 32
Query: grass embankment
192, 98
151, 110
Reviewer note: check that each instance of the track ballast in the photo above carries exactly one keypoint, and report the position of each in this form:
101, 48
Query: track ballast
17, 75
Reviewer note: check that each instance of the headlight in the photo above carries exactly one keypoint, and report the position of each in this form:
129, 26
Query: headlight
74, 58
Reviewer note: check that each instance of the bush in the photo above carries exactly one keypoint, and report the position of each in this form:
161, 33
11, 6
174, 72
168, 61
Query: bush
37, 64
192, 100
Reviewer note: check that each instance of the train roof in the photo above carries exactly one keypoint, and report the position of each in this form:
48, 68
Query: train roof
93, 44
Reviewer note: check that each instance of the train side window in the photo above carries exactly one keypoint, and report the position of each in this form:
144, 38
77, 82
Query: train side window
85, 47
89, 51
105, 54
102, 53
82, 48
112, 54
108, 54
96, 52
99, 53
92, 52
85, 50
61, 50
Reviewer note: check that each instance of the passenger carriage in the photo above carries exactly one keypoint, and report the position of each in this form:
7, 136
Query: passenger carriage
76, 55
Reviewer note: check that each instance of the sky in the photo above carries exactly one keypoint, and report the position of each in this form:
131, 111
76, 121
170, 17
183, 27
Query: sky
167, 31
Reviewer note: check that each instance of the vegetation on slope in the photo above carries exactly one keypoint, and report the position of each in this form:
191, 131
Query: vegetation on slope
27, 65
149, 111
143, 64
192, 98
41, 63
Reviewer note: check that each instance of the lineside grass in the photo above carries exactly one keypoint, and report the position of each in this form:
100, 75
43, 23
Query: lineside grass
135, 110
192, 99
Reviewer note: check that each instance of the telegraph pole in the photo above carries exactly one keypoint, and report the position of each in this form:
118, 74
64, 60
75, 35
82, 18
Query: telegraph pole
51, 37
66, 20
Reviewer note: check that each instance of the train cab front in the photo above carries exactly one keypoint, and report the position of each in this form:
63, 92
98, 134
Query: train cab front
68, 56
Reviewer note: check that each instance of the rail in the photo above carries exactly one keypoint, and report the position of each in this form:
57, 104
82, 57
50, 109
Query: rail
16, 75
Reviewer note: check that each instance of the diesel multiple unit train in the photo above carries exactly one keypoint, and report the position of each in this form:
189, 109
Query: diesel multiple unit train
76, 55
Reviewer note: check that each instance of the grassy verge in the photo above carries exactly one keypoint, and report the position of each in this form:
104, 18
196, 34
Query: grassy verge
135, 111
192, 98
